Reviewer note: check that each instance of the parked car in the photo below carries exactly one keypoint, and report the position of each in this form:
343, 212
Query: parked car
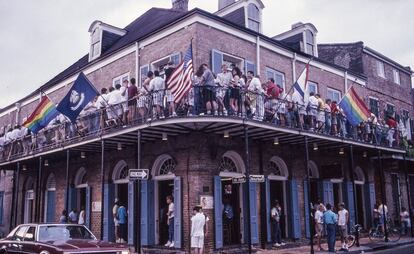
56, 238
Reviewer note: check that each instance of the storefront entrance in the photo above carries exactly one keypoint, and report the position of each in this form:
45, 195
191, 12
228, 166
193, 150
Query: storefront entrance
232, 222
165, 188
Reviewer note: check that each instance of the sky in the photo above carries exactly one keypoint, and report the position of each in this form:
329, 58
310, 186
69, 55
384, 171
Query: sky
40, 38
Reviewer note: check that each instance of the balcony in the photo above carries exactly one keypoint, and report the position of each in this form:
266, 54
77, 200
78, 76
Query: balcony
270, 120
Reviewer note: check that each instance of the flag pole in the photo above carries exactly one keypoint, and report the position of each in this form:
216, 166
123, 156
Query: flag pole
293, 85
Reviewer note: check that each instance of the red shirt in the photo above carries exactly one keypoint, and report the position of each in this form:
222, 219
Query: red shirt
273, 91
392, 123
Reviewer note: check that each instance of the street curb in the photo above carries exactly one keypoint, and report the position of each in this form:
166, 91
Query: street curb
380, 247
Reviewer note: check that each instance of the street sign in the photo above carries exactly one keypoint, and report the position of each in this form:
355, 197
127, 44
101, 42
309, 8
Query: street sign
138, 174
257, 178
239, 179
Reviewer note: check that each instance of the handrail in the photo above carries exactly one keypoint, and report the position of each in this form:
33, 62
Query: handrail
225, 102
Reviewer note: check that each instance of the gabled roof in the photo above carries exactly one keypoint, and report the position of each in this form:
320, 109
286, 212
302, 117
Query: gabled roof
150, 23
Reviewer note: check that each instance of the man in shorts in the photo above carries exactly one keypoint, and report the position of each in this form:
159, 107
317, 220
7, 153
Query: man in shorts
319, 225
198, 223
343, 219
116, 221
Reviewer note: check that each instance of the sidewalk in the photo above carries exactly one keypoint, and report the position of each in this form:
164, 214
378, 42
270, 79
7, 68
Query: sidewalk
366, 245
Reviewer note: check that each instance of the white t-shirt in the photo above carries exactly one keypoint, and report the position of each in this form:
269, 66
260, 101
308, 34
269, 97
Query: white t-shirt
381, 211
114, 97
15, 134
102, 101
224, 79
157, 84
313, 102
319, 217
124, 90
198, 222
171, 210
255, 86
81, 217
342, 217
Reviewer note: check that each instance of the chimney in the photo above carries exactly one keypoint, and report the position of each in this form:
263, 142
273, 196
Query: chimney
180, 5
224, 3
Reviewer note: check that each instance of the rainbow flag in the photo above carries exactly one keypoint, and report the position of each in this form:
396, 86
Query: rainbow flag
354, 108
43, 114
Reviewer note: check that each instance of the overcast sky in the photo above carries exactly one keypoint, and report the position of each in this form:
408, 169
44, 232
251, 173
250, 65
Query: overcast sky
40, 38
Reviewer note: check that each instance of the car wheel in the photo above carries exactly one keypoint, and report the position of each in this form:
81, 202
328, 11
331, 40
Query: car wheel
3, 251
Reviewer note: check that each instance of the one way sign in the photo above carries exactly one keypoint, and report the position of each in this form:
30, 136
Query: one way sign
138, 174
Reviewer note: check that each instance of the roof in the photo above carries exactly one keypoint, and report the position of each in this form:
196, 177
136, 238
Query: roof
150, 23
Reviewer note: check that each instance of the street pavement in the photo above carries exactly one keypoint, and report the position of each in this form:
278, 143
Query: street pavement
406, 244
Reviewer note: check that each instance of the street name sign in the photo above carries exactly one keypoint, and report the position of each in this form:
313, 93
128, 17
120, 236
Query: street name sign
257, 178
138, 174
239, 179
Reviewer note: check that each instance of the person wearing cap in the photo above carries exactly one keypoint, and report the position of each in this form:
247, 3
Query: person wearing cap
198, 229
116, 221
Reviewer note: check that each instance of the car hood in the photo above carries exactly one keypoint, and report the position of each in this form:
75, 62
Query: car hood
85, 244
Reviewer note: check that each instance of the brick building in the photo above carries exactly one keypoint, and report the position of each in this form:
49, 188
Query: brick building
195, 158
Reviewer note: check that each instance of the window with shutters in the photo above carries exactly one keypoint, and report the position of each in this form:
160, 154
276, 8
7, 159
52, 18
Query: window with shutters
160, 64
95, 50
278, 76
253, 14
310, 42
389, 110
373, 106
312, 87
219, 58
143, 72
333, 95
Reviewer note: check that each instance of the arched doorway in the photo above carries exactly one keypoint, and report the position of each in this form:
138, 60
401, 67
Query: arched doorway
359, 180
80, 195
50, 199
28, 200
120, 177
229, 198
276, 190
165, 183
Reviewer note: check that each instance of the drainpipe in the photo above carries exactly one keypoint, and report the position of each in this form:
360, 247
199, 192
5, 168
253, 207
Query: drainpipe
294, 67
18, 107
137, 58
346, 81
258, 55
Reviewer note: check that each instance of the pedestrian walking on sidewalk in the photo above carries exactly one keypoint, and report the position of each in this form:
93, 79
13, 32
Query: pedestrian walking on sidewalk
343, 220
330, 219
275, 215
319, 225
198, 230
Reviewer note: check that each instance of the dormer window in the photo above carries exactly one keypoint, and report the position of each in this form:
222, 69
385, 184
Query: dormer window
310, 42
253, 16
95, 44
103, 36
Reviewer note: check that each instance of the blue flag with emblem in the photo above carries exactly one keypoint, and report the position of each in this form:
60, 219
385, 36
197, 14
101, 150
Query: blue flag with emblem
81, 93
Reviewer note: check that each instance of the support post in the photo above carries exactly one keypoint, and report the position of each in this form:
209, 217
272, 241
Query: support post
407, 183
15, 202
383, 199
351, 175
262, 200
249, 229
67, 180
310, 218
102, 185
137, 208
38, 191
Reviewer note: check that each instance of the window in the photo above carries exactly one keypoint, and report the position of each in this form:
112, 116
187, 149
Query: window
159, 65
310, 42
405, 115
227, 165
143, 74
389, 111
253, 14
30, 234
396, 75
219, 58
168, 167
18, 236
373, 106
120, 79
312, 87
279, 77
380, 69
95, 50
333, 95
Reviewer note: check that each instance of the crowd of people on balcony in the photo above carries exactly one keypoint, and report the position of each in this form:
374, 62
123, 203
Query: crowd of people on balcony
229, 93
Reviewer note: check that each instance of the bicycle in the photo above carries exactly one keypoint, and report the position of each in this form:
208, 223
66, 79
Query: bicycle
376, 233
351, 239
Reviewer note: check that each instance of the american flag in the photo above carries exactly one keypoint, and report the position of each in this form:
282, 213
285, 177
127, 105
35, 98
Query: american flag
180, 81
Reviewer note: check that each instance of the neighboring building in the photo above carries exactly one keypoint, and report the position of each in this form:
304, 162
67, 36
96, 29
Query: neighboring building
195, 158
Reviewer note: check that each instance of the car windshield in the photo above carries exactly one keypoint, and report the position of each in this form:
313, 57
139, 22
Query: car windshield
64, 233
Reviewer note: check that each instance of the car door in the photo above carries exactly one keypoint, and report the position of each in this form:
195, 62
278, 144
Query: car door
16, 241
